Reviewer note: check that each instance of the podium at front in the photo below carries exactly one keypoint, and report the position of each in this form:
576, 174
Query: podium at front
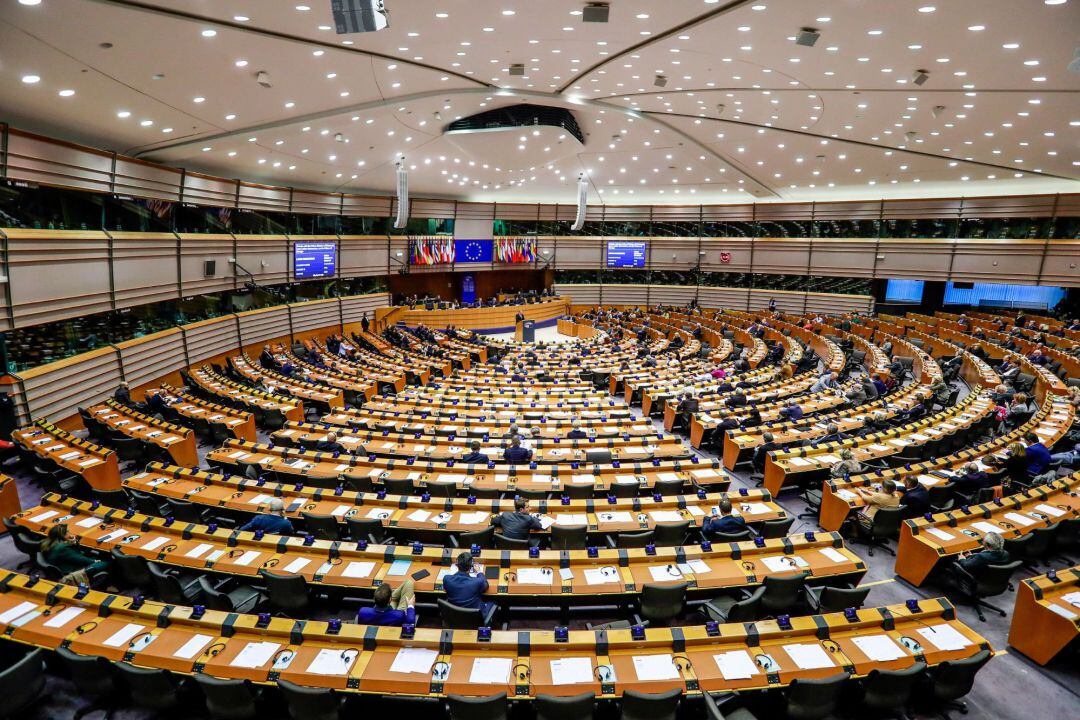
528, 331
519, 330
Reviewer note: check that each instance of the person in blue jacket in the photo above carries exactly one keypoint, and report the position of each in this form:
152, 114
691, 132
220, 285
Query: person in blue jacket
273, 521
395, 607
467, 586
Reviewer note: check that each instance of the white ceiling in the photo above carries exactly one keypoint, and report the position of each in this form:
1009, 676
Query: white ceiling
797, 123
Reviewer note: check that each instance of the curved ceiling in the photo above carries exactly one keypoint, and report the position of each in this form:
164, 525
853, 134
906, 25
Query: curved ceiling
746, 112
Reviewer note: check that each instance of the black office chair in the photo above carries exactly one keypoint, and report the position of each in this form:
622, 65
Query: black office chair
813, 699
133, 571
369, 529
1038, 548
146, 504
308, 703
735, 609
669, 487
650, 706
624, 489
660, 604
990, 582
952, 680
783, 593
187, 512
323, 527
723, 537
887, 693
470, 707
598, 457
399, 486
230, 596
150, 688
504, 543
884, 527
359, 483
777, 528
569, 537
459, 618
110, 498
671, 534
93, 677
713, 710
227, 699
24, 543
288, 594
22, 679
631, 540
484, 538
565, 707
828, 599
580, 491
174, 589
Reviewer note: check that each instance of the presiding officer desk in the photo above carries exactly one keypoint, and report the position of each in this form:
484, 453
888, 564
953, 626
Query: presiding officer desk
484, 318
245, 496
325, 469
926, 542
352, 568
1046, 619
436, 663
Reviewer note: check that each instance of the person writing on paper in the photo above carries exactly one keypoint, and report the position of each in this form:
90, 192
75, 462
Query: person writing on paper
518, 524
391, 607
515, 453
723, 522
467, 586
272, 522
992, 553
884, 498
474, 455
58, 550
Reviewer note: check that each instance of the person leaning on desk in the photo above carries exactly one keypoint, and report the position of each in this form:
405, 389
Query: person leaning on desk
467, 586
515, 453
272, 522
75, 567
330, 444
517, 524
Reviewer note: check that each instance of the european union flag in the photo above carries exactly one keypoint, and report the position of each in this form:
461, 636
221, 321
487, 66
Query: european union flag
470, 251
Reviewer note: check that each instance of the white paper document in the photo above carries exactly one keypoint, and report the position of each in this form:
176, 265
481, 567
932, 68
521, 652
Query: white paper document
1062, 611
123, 635
783, 563
986, 527
568, 519
665, 516
247, 557
193, 647
1018, 519
940, 534
331, 661
17, 611
662, 573
571, 670
198, 550
490, 671
358, 569
44, 516
655, 667
255, 654
614, 517
601, 576
833, 554
736, 665
63, 617
155, 543
1050, 510
809, 656
414, 660
944, 637
296, 566
534, 576
879, 648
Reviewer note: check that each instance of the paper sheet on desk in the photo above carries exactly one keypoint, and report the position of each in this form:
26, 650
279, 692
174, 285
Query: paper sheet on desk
419, 515
414, 660
1050, 510
89, 522
736, 665
661, 573
940, 534
17, 611
198, 550
566, 519
255, 654
1062, 611
702, 473
626, 480
193, 647
665, 516
1019, 519
490, 671
330, 661
246, 558
614, 517
655, 667
986, 527
44, 516
879, 648
123, 635
944, 637
473, 518
533, 576
783, 563
809, 656
800, 462
601, 576
833, 554
63, 617
358, 569
296, 566
571, 671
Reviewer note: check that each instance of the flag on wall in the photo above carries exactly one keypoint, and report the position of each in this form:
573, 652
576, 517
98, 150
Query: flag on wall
472, 251
431, 250
515, 250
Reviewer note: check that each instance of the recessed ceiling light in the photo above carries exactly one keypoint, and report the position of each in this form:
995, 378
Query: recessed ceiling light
1011, 46
29, 2
508, 12
318, 53
744, 28
302, 8
209, 33
66, 93
146, 123
290, 104
927, 9
230, 116
166, 130
642, 16
123, 114
442, 15
241, 63
874, 32
976, 28
1054, 2
31, 79
207, 149
914, 47
198, 99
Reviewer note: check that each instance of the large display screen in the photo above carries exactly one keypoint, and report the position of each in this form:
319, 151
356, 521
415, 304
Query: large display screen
314, 260
1001, 295
621, 254
904, 291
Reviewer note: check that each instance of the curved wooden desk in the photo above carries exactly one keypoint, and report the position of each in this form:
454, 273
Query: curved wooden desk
487, 318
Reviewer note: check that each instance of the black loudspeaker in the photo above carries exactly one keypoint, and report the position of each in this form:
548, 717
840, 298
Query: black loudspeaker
209, 268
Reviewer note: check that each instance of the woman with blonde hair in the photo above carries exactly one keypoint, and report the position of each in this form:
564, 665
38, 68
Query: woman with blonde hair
848, 465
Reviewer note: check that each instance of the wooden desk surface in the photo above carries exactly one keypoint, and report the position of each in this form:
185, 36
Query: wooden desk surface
97, 465
300, 388
210, 381
926, 543
176, 440
239, 423
1047, 615
555, 424
221, 645
501, 316
360, 567
415, 512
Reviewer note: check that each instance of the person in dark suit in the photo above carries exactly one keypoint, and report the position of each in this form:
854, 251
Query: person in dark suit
762, 451
266, 359
365, 324
576, 433
992, 553
1038, 457
515, 453
474, 455
519, 524
737, 399
467, 586
330, 444
792, 411
123, 394
723, 522
971, 480
273, 521
916, 499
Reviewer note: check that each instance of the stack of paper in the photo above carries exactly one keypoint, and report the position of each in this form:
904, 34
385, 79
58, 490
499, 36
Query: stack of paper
490, 671
944, 637
736, 665
809, 656
255, 654
879, 648
571, 670
655, 667
414, 660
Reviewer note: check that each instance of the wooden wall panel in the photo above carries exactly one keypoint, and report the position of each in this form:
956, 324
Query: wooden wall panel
264, 256
354, 307
625, 294
40, 160
363, 255
55, 274
144, 268
209, 338
673, 253
672, 294
1062, 263
843, 257
315, 315
257, 326
151, 357
579, 294
783, 256
579, 253
723, 298
57, 390
738, 250
914, 259
195, 250
988, 260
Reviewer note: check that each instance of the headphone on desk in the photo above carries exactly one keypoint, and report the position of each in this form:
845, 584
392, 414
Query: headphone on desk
440, 670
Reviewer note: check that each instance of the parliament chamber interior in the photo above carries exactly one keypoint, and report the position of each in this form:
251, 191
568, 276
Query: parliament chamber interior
550, 359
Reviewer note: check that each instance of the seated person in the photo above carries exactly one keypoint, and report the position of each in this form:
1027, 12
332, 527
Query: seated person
688, 405
971, 480
896, 368
57, 549
752, 419
832, 434
884, 498
827, 381
467, 586
576, 433
1037, 454
516, 453
792, 411
848, 465
518, 524
1068, 458
474, 455
391, 607
737, 399
762, 451
1014, 465
272, 522
266, 359
724, 522
992, 553
916, 499
880, 386
330, 444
